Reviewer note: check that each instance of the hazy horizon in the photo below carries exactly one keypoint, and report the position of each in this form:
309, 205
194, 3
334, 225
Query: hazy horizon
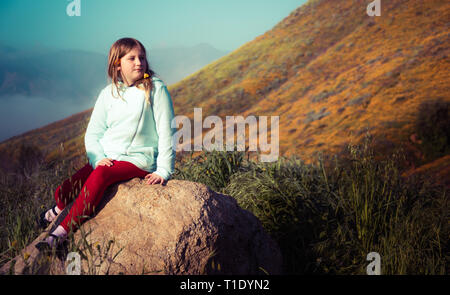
24, 107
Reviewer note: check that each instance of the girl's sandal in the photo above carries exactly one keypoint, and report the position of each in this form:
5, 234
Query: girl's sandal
43, 246
42, 222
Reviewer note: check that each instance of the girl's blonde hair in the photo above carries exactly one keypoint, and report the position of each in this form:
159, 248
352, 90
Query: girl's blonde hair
118, 50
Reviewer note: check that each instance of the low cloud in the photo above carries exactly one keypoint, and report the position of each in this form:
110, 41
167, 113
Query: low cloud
19, 114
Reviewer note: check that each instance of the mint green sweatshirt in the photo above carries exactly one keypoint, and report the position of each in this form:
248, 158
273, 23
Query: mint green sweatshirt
131, 130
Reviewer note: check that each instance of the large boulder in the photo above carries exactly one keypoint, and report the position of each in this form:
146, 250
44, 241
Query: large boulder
180, 228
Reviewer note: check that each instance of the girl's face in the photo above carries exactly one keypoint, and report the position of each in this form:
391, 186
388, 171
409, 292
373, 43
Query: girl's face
133, 66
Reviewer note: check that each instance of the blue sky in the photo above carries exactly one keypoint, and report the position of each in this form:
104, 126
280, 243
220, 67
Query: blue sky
224, 24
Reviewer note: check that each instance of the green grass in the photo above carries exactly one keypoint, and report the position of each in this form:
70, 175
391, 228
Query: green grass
325, 217
326, 220
24, 194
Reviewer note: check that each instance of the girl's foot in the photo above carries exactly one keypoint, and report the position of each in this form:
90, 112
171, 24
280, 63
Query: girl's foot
54, 239
46, 217
52, 213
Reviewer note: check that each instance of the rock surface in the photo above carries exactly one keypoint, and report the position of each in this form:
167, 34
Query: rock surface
180, 228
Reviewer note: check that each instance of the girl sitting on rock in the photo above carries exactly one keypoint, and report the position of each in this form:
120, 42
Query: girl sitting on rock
129, 135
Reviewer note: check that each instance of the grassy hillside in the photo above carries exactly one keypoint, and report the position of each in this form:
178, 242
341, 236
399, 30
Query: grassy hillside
331, 73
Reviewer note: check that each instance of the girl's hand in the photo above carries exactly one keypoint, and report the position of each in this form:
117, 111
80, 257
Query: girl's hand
153, 178
105, 162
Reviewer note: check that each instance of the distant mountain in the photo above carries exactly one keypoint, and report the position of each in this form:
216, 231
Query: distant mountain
67, 74
176, 63
76, 74
331, 73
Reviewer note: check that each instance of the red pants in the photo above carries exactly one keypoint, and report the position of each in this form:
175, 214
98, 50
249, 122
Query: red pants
88, 186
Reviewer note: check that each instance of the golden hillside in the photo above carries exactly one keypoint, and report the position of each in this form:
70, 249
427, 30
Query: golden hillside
328, 70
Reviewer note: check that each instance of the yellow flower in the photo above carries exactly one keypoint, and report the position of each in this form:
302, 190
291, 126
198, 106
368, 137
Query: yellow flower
26, 256
146, 76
